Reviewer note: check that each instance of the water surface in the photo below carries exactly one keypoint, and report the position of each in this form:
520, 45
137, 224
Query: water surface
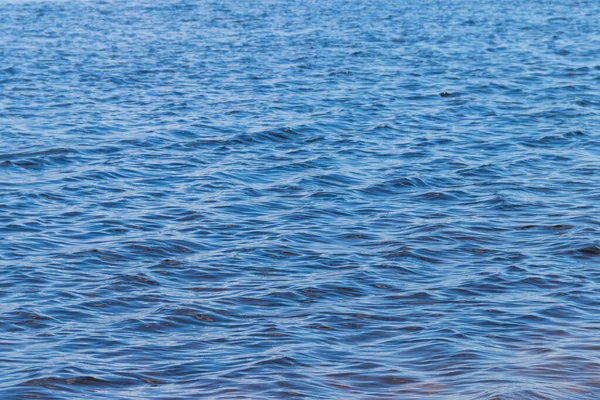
271, 199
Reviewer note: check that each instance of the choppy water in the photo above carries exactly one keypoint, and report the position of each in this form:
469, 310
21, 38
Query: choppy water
271, 199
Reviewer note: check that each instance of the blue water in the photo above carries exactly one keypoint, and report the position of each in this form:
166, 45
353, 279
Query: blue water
300, 199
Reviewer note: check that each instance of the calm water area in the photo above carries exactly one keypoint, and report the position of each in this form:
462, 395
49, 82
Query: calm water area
278, 199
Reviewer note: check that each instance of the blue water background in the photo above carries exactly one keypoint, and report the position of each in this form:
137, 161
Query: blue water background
271, 199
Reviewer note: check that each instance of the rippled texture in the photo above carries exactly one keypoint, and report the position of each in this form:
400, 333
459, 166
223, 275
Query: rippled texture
277, 199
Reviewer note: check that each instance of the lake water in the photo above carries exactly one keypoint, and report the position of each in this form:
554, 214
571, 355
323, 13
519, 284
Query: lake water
300, 199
